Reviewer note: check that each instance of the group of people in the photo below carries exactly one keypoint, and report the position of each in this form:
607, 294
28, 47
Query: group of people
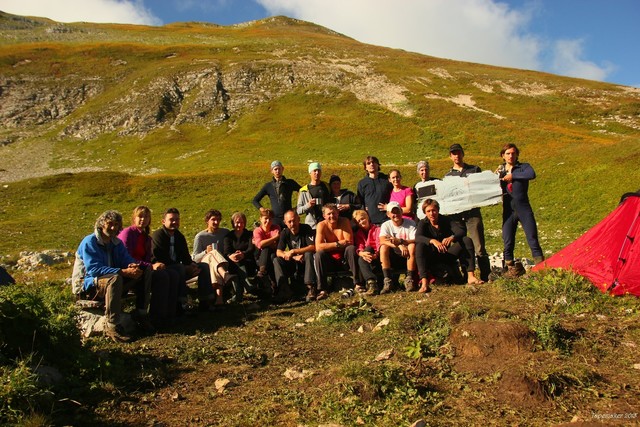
368, 235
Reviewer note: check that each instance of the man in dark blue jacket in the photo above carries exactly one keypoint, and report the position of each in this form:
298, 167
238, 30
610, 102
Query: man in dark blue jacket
374, 190
514, 180
279, 189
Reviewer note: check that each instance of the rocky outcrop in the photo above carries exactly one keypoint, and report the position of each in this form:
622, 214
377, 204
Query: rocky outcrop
206, 95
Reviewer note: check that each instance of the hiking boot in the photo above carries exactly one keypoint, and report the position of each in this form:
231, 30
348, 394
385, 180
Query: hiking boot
116, 333
409, 284
360, 289
284, 294
514, 270
372, 287
538, 259
388, 285
143, 322
311, 294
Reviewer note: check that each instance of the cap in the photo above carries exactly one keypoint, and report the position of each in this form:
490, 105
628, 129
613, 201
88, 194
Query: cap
455, 147
276, 163
313, 166
422, 164
334, 178
392, 205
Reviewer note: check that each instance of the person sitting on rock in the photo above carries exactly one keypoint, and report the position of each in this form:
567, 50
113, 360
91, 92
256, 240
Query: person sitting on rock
367, 242
294, 256
208, 246
160, 291
169, 246
240, 251
334, 249
265, 239
397, 248
103, 269
441, 245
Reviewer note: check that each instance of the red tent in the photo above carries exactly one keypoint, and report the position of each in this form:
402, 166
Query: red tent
609, 253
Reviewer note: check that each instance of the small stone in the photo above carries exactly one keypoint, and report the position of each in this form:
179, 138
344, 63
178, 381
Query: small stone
385, 355
384, 322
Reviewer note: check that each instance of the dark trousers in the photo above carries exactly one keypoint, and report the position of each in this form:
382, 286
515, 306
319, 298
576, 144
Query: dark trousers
512, 213
433, 263
326, 264
164, 293
285, 269
205, 290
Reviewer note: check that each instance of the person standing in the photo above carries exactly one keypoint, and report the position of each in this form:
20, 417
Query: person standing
514, 180
345, 200
312, 196
421, 188
374, 190
279, 189
471, 220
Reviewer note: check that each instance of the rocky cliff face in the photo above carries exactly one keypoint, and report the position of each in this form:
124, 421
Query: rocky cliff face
206, 94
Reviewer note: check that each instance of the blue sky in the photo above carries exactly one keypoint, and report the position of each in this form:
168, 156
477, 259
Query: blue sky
592, 39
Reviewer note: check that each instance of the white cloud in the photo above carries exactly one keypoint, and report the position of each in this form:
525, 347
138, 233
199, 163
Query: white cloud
106, 11
471, 30
482, 31
568, 61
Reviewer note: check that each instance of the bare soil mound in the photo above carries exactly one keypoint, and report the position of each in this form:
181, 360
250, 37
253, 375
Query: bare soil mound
500, 350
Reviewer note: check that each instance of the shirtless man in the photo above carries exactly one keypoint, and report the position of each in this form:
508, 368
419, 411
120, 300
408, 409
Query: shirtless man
334, 248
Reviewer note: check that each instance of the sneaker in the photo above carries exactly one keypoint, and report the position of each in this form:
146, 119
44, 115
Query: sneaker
372, 287
388, 285
116, 333
409, 284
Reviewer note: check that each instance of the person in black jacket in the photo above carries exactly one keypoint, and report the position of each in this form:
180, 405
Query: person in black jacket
345, 200
279, 189
169, 246
440, 245
470, 220
374, 190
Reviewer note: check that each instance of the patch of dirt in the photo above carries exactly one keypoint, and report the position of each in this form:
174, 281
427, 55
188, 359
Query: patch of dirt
482, 347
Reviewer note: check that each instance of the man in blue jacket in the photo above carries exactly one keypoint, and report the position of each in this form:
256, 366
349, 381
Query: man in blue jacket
514, 180
104, 269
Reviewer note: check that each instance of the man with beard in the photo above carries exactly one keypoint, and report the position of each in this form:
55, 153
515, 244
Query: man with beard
104, 269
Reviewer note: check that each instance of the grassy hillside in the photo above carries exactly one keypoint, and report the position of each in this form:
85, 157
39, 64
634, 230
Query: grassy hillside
96, 117
140, 111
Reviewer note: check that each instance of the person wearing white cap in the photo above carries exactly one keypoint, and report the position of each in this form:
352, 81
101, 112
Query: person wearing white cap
397, 247
312, 196
279, 189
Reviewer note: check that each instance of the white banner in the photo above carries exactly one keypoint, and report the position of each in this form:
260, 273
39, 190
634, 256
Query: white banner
456, 194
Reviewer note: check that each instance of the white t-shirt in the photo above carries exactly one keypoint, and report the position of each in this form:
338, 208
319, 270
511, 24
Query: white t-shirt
406, 230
